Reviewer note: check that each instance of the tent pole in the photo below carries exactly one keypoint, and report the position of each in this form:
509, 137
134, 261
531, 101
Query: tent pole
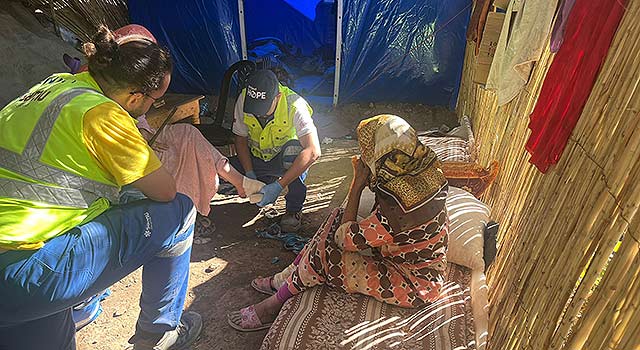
336, 82
243, 35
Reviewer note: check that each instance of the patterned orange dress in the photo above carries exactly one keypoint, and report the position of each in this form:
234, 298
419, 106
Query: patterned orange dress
405, 269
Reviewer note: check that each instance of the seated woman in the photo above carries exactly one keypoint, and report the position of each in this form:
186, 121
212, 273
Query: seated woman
397, 254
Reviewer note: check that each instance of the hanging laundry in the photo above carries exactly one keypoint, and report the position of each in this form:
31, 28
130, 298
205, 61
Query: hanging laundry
524, 35
557, 34
571, 77
477, 22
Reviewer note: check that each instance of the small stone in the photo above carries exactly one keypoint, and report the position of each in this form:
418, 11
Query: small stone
275, 260
118, 313
201, 240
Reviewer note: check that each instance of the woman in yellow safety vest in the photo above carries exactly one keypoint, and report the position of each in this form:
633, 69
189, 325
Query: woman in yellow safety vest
67, 146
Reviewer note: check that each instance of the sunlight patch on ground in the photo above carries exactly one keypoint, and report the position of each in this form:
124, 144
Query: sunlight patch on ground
214, 267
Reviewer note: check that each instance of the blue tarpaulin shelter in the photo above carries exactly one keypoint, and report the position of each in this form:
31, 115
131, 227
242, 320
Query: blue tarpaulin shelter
390, 50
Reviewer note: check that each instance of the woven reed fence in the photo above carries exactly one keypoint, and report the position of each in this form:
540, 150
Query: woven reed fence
556, 283
83, 17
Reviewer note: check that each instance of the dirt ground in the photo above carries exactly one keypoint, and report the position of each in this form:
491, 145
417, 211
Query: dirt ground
226, 259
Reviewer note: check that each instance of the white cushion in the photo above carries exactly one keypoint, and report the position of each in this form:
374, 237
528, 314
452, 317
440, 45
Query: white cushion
468, 217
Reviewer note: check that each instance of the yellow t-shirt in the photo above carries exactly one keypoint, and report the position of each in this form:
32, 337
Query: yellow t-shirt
112, 138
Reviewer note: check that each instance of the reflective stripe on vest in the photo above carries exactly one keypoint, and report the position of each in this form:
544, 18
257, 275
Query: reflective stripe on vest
74, 190
266, 152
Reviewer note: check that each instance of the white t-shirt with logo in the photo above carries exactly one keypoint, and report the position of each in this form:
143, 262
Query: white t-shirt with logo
302, 120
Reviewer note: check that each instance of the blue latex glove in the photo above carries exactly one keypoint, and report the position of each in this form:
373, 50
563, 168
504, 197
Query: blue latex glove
270, 193
250, 174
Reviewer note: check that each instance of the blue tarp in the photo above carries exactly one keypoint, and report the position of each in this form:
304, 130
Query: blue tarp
292, 24
390, 52
393, 50
202, 35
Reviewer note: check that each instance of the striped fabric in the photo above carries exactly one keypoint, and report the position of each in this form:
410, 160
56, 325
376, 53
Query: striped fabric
327, 318
449, 149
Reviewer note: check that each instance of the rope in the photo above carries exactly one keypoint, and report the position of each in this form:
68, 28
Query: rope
291, 241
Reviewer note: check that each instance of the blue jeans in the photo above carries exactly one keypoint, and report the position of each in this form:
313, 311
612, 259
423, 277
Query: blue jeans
38, 289
270, 171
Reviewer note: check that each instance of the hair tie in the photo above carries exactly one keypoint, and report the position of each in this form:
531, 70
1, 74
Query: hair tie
89, 49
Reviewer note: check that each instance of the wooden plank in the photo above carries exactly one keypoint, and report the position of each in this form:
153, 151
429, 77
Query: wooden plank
503, 4
488, 46
188, 110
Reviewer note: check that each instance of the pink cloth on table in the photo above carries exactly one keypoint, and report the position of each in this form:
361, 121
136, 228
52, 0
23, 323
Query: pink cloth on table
191, 159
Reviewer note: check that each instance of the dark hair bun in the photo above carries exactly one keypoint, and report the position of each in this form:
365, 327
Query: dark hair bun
137, 65
103, 49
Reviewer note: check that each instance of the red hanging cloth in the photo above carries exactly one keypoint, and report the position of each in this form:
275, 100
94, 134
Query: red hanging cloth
590, 30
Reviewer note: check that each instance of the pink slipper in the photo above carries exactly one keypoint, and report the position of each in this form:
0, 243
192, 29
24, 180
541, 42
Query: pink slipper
262, 287
246, 320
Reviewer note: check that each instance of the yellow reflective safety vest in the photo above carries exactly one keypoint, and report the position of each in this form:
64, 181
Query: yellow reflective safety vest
49, 182
266, 142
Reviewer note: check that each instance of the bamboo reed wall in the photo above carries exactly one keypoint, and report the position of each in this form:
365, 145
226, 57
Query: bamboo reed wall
557, 226
83, 17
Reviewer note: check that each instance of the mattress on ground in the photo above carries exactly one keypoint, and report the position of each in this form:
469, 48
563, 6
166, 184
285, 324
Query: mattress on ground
459, 149
449, 149
327, 318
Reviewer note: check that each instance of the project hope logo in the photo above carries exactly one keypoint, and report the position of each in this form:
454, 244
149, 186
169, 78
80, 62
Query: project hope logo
255, 94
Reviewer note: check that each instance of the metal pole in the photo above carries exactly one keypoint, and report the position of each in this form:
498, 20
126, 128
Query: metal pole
336, 82
243, 35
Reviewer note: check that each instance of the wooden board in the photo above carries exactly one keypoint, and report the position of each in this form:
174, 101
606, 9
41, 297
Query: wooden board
490, 38
503, 4
188, 107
